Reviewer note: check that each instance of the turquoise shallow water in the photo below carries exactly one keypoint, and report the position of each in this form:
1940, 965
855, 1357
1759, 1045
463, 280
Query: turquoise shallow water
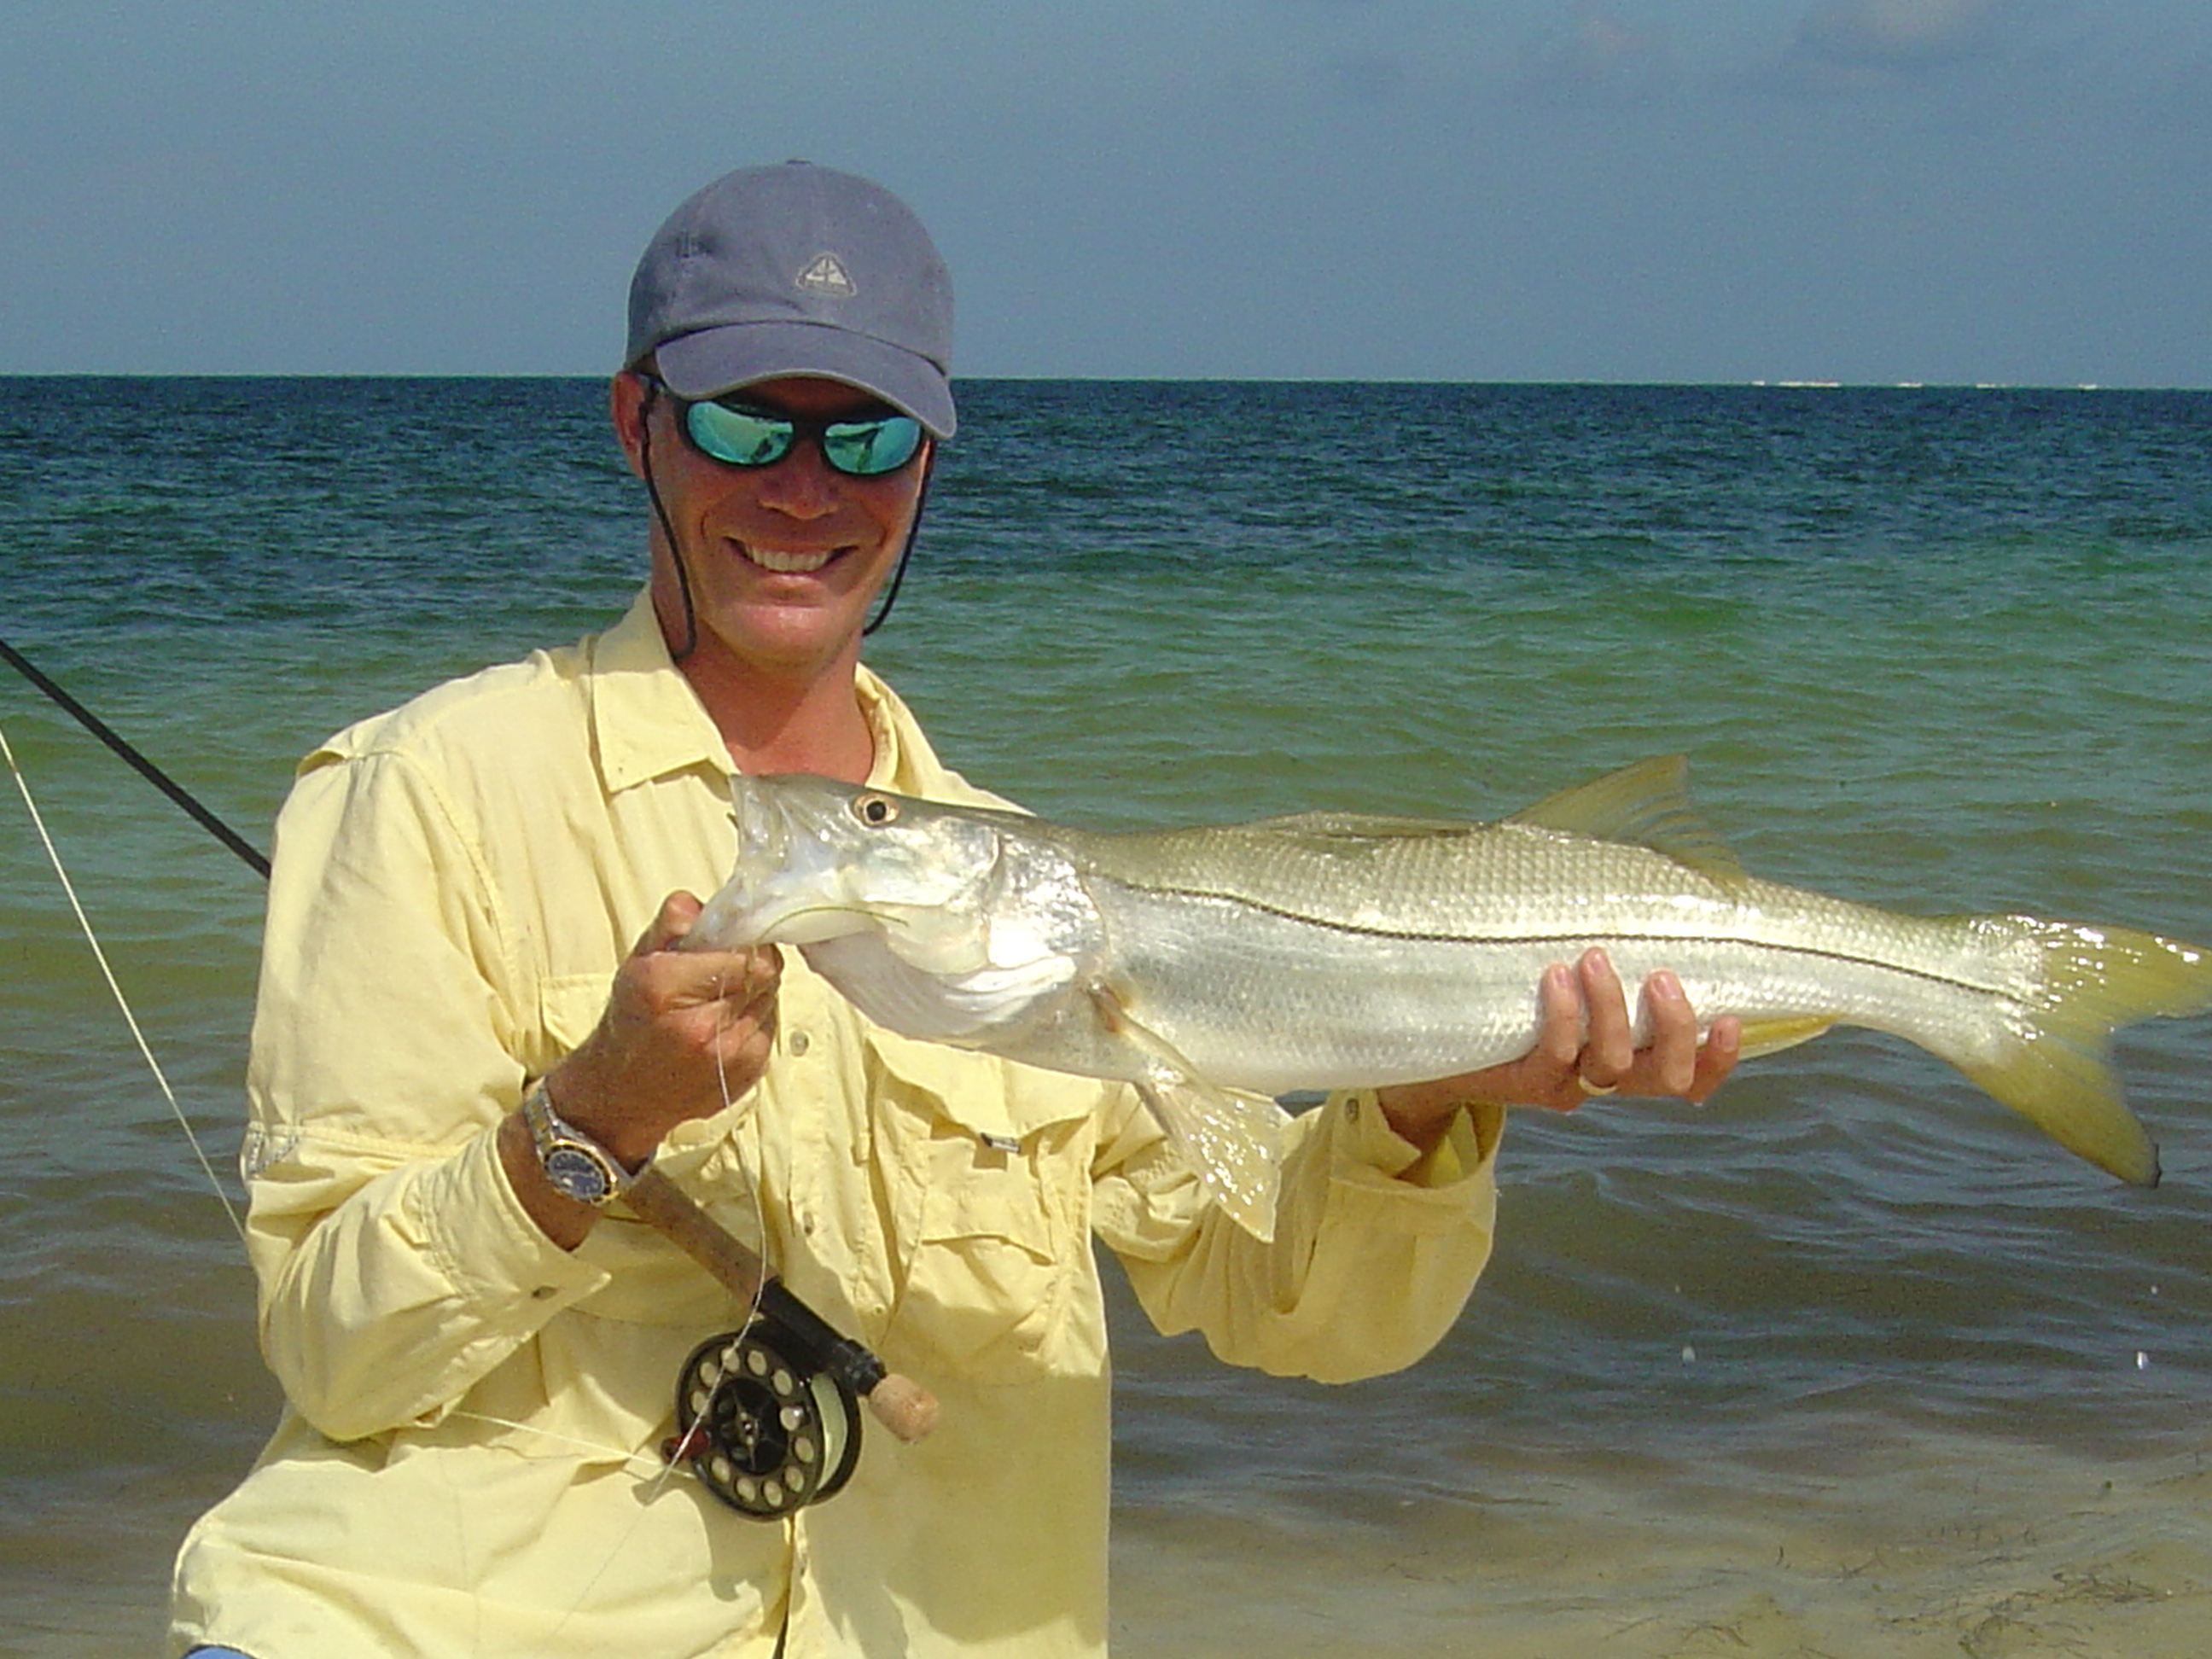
1941, 649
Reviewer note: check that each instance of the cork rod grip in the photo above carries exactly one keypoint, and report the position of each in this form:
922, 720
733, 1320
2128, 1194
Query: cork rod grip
660, 1203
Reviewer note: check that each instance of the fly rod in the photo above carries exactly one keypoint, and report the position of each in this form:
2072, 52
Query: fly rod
126, 751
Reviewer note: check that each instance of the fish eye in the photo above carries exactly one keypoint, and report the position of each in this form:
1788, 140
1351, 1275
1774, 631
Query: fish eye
875, 810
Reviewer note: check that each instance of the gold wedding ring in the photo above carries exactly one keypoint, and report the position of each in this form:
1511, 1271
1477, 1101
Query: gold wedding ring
1593, 1091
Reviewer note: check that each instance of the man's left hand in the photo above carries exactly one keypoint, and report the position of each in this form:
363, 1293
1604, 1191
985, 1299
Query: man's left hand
1583, 1048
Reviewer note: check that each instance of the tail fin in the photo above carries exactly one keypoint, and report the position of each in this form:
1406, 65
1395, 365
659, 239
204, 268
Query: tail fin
2051, 1067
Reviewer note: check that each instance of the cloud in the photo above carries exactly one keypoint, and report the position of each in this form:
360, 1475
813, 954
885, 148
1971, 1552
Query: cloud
1599, 54
1900, 37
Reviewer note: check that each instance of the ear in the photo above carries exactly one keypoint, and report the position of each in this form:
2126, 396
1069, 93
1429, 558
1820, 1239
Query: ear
628, 401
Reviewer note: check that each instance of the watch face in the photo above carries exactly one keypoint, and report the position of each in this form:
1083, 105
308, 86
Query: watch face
578, 1174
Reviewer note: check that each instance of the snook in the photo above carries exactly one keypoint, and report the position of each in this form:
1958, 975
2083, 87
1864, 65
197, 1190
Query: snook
1213, 967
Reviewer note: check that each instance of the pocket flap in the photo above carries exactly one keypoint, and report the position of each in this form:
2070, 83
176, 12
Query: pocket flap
998, 1101
568, 1008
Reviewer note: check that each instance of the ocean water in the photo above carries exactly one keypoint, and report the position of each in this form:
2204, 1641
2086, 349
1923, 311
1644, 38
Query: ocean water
1849, 1361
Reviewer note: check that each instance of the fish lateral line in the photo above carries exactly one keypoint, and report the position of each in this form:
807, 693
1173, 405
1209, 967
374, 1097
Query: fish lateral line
1595, 936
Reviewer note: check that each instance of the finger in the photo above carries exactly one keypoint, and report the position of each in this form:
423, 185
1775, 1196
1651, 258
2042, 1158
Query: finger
703, 990
1544, 1076
1607, 1051
670, 923
749, 1038
1723, 1047
1560, 1029
757, 981
1670, 1063
726, 985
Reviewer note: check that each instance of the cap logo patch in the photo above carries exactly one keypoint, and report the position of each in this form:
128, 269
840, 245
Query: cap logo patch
827, 275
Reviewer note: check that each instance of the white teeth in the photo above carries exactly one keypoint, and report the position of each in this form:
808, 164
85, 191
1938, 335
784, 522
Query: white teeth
788, 563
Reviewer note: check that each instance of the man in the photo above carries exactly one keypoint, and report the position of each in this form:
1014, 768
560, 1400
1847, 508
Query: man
478, 1347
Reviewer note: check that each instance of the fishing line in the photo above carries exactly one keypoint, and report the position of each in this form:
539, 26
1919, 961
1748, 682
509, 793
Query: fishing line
664, 1469
84, 922
145, 769
670, 1465
842, 1371
640, 1463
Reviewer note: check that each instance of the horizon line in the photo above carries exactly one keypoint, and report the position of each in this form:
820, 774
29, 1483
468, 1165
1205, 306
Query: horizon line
1776, 383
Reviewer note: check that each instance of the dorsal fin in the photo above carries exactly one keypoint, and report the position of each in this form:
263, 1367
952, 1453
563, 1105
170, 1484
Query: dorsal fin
1647, 803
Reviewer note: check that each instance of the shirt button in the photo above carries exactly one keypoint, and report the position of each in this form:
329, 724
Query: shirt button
544, 1293
799, 1042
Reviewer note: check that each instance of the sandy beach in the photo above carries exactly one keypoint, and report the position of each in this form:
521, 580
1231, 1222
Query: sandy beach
1931, 1549
1978, 1548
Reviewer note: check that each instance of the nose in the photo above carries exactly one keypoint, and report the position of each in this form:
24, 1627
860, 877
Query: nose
801, 485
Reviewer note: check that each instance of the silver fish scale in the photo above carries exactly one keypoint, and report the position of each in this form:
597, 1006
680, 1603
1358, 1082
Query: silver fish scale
1275, 959
1512, 883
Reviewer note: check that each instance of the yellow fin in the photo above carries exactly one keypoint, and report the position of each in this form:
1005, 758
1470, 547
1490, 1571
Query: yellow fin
1772, 1037
1648, 804
2053, 1069
1233, 1141
2071, 1095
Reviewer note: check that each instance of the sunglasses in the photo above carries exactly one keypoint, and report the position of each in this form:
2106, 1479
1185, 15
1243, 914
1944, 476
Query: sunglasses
739, 434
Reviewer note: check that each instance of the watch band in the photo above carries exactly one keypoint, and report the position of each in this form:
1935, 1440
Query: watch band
577, 1165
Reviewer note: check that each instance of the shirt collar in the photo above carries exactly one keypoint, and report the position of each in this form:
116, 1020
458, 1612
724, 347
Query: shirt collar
647, 722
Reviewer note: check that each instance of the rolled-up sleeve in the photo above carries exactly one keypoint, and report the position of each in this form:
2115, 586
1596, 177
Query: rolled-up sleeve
1377, 1245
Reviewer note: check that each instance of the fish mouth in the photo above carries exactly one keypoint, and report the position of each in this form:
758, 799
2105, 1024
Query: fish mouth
792, 881
782, 874
764, 827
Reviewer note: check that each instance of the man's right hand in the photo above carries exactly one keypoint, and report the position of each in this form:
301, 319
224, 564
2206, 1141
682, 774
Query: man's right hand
685, 1033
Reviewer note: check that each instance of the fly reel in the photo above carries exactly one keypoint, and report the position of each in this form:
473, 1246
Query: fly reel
768, 1416
764, 1429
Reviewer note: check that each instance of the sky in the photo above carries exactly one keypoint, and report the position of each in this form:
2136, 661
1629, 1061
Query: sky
1866, 191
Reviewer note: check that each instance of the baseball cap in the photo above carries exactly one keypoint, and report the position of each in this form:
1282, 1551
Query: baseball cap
796, 270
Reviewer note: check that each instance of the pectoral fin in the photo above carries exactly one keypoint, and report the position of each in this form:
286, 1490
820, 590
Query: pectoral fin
1234, 1140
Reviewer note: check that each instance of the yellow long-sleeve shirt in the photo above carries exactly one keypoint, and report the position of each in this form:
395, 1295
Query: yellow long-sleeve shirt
468, 1464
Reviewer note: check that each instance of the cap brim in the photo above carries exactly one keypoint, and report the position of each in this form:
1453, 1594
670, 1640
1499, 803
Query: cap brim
715, 360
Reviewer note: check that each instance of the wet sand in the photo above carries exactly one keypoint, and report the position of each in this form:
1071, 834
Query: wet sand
1932, 1549
1976, 1547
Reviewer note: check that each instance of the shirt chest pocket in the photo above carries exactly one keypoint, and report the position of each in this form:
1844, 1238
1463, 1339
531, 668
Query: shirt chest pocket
989, 1165
568, 1008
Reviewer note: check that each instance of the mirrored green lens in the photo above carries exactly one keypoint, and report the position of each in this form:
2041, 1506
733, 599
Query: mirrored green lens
743, 437
868, 449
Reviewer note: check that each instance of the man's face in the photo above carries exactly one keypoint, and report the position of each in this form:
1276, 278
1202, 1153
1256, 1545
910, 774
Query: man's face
784, 560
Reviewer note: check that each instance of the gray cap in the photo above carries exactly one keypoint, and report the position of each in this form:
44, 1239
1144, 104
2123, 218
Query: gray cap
796, 270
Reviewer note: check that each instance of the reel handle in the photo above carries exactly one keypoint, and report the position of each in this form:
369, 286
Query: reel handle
900, 1404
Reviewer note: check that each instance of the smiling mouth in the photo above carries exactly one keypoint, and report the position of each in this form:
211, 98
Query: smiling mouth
787, 564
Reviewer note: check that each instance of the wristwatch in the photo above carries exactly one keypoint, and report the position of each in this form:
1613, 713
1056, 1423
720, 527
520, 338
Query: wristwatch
577, 1165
